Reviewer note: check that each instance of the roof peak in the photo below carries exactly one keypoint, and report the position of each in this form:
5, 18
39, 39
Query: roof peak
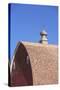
34, 44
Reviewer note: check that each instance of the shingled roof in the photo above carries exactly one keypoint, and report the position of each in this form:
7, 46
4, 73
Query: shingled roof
34, 64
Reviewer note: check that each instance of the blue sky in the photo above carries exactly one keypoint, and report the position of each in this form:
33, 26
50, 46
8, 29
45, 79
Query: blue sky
27, 21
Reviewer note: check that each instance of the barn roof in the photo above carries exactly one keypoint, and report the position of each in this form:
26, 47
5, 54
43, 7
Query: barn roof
43, 60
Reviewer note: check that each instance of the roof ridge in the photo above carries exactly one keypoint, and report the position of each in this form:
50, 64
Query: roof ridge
37, 44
